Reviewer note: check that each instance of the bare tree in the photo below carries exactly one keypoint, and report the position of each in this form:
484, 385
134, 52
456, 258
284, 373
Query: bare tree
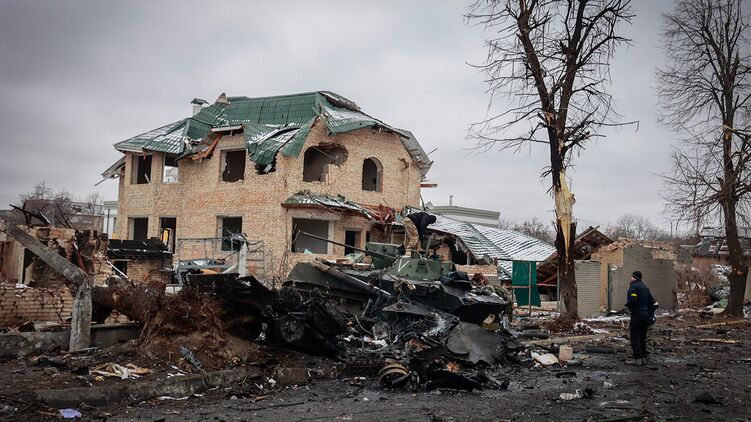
505, 224
551, 59
92, 204
636, 227
706, 97
537, 229
40, 191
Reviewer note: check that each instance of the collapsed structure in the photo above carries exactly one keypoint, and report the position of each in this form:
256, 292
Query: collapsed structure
268, 167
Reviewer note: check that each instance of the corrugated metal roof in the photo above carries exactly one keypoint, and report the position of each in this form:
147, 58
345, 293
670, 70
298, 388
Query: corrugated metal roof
337, 203
482, 241
114, 170
136, 143
476, 242
263, 145
517, 245
720, 232
294, 110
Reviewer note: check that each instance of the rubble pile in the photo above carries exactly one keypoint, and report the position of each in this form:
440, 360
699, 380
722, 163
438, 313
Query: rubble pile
406, 342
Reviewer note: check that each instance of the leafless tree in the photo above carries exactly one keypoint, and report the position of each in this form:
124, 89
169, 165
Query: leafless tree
636, 227
705, 90
551, 59
505, 224
40, 191
537, 229
92, 204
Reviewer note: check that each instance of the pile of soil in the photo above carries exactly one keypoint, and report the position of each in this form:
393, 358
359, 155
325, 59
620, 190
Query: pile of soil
194, 321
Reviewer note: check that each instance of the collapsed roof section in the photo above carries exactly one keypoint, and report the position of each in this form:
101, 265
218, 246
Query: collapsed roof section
305, 199
270, 125
490, 243
587, 242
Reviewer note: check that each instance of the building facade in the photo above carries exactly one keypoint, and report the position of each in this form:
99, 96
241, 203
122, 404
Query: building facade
269, 168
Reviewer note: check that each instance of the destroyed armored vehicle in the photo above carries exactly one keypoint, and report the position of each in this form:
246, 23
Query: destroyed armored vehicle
398, 281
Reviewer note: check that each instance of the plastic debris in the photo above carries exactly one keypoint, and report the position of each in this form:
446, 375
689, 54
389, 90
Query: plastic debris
128, 371
545, 359
70, 413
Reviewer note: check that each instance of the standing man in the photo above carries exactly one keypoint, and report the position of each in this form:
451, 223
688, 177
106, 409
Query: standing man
641, 305
415, 226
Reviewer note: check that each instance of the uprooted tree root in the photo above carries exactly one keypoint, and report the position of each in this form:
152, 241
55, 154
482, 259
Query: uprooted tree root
195, 321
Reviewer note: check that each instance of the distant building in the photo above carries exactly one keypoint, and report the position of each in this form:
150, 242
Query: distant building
110, 219
467, 215
713, 247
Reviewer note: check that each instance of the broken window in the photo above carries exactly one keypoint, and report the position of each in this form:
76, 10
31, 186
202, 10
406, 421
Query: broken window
352, 240
122, 266
139, 228
170, 170
317, 160
233, 165
372, 175
167, 228
306, 244
141, 169
228, 228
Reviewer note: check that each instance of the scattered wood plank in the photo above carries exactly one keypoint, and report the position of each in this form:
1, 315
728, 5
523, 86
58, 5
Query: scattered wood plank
721, 324
568, 340
718, 340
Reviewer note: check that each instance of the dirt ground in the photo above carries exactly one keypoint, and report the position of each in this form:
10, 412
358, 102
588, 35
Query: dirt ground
682, 368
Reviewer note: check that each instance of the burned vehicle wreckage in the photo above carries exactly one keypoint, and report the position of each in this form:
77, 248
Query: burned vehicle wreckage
410, 320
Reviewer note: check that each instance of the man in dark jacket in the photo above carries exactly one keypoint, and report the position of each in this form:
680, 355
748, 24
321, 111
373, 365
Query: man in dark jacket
641, 305
420, 220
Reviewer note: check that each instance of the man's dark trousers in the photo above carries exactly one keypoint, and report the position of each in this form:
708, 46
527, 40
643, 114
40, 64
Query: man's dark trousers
638, 332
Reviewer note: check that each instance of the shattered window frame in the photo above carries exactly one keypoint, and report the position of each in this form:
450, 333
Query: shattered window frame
227, 244
136, 165
326, 247
165, 168
224, 164
318, 159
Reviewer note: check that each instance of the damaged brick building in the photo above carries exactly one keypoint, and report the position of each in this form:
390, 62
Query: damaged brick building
268, 168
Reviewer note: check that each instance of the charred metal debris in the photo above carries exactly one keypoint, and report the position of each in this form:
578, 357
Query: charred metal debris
411, 321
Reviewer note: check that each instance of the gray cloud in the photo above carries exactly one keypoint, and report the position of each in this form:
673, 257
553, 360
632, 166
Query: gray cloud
78, 76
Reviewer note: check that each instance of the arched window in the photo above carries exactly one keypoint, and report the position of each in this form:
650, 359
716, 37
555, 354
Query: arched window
372, 175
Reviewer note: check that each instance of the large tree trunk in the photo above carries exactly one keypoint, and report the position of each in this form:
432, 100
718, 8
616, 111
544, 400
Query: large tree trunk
739, 271
729, 200
134, 300
566, 273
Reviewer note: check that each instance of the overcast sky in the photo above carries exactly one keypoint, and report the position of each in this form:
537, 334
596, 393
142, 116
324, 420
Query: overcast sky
78, 76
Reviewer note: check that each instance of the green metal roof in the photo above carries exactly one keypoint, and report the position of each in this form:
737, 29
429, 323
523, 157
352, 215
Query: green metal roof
339, 203
271, 124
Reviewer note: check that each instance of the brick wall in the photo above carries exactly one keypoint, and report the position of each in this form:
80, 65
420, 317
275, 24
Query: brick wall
658, 274
200, 197
55, 305
608, 258
588, 288
146, 270
20, 305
